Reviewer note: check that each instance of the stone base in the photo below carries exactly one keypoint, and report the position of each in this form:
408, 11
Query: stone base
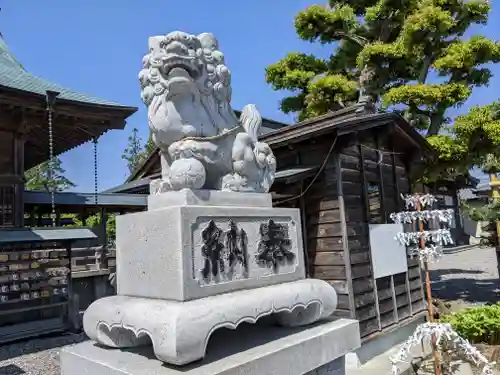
179, 331
252, 349
189, 197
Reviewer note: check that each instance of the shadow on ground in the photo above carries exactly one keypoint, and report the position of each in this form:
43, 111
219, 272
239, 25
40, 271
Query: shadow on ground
466, 289
11, 370
18, 348
437, 275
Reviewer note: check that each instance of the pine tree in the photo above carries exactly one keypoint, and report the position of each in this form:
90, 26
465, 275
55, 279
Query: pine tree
386, 52
134, 152
150, 145
47, 176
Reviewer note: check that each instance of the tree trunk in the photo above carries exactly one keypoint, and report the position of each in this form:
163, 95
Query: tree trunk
436, 123
367, 90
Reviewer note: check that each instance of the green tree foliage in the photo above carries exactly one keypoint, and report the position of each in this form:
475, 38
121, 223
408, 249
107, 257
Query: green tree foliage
472, 141
150, 146
94, 221
134, 152
387, 51
47, 176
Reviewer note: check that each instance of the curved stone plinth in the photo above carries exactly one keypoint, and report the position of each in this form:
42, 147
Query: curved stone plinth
179, 331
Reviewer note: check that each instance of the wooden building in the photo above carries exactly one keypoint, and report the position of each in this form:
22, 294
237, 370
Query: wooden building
39, 119
344, 171
24, 134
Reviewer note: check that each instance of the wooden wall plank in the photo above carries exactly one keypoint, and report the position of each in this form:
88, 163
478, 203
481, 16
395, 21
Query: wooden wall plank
345, 238
373, 324
318, 244
328, 258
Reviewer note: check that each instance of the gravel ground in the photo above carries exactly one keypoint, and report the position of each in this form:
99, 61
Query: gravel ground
466, 277
35, 357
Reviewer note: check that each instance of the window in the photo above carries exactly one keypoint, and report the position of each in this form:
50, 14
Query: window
374, 203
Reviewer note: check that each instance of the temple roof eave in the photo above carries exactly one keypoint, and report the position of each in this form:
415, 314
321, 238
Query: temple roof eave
14, 76
125, 111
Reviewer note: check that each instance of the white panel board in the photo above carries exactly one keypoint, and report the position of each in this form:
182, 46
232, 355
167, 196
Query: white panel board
388, 255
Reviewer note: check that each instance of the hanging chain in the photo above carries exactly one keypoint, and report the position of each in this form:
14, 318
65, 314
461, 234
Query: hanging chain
51, 170
96, 185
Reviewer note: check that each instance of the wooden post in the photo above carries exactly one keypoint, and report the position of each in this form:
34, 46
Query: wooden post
18, 146
430, 313
495, 195
84, 218
366, 204
32, 218
58, 217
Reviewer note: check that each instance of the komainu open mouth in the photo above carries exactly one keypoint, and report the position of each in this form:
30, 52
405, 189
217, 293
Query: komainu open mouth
173, 65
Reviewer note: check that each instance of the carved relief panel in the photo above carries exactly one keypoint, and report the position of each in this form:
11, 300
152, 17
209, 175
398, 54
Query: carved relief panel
228, 249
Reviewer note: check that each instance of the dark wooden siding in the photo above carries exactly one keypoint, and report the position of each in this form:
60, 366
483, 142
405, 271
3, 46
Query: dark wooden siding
325, 242
327, 254
371, 185
321, 216
354, 178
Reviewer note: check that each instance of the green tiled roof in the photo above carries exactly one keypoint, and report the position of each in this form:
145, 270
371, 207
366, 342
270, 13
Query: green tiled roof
14, 76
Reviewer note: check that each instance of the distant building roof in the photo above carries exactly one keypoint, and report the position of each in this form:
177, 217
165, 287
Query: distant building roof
14, 76
480, 192
74, 201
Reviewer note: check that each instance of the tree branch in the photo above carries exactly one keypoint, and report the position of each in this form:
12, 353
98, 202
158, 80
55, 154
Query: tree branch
419, 111
425, 69
361, 41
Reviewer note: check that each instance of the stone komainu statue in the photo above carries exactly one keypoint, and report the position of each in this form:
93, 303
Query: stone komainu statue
203, 145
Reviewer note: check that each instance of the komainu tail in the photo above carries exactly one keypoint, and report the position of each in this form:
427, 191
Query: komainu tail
251, 121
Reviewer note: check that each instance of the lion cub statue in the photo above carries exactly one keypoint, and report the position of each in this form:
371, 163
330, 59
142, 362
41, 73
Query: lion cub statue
203, 145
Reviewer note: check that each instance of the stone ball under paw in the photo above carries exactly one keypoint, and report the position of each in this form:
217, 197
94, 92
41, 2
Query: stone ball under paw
187, 173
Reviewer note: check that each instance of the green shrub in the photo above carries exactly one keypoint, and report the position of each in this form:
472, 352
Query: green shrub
479, 324
95, 220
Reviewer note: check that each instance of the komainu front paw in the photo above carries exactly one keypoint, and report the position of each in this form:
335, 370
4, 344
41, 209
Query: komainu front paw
187, 173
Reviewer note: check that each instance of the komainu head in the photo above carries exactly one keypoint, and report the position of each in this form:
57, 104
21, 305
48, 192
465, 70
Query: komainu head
186, 87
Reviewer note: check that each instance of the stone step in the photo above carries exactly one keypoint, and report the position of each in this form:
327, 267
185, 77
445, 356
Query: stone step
381, 364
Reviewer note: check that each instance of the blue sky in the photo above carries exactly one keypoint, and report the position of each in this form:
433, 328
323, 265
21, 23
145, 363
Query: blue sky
96, 47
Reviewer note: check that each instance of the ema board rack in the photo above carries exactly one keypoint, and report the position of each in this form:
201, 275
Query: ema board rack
35, 280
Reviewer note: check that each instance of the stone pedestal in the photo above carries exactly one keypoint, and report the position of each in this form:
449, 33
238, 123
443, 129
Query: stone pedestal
185, 251
192, 265
261, 349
